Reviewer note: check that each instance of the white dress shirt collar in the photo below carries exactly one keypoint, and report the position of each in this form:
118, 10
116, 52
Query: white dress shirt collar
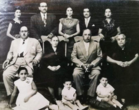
42, 15
87, 21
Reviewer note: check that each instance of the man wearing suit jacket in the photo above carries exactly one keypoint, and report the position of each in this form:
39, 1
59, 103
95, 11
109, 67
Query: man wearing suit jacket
86, 55
88, 23
25, 52
43, 24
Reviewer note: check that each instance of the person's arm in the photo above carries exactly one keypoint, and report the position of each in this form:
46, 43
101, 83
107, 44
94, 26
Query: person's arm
98, 58
39, 53
74, 96
74, 58
13, 96
54, 27
34, 91
128, 63
66, 98
118, 32
33, 29
60, 29
100, 33
9, 31
110, 60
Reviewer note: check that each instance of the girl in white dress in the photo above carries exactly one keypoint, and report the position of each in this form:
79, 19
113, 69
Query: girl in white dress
28, 97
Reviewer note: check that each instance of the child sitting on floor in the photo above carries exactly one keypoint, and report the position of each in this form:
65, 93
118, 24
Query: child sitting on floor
105, 92
28, 97
69, 97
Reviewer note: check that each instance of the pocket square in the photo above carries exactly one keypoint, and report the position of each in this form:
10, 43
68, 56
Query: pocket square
93, 25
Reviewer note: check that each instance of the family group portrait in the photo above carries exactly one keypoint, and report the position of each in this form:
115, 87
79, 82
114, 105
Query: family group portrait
69, 55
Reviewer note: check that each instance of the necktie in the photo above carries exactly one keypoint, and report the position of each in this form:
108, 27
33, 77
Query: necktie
44, 19
86, 22
22, 53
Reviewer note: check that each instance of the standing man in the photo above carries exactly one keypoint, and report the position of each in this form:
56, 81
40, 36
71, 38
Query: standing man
86, 55
88, 23
43, 25
25, 52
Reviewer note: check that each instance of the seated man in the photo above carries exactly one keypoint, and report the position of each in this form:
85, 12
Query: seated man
86, 55
25, 52
122, 59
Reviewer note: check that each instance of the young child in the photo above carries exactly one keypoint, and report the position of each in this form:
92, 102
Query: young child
28, 97
105, 92
69, 97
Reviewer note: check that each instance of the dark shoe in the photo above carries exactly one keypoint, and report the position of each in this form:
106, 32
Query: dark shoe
81, 99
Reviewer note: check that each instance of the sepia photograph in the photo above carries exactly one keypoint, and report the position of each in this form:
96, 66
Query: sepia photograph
69, 54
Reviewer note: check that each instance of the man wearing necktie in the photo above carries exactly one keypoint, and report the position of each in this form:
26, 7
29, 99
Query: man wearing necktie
86, 55
87, 22
24, 52
43, 24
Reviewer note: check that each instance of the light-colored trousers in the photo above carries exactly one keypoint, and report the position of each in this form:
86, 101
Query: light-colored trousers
78, 77
11, 71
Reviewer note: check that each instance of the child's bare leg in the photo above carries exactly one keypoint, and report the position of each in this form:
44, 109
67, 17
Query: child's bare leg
117, 103
111, 103
68, 103
80, 105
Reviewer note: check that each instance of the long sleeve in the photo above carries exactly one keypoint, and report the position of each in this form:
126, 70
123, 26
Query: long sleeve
39, 52
10, 53
74, 56
33, 28
99, 56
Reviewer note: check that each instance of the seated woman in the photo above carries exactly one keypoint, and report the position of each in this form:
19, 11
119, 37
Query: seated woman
52, 66
108, 31
122, 59
15, 25
69, 28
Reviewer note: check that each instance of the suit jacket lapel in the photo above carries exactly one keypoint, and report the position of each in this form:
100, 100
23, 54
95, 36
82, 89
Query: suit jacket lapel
40, 21
91, 47
18, 44
27, 46
82, 47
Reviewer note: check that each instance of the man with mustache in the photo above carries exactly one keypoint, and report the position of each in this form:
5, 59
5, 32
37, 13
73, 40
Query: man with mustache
24, 52
88, 22
43, 25
86, 55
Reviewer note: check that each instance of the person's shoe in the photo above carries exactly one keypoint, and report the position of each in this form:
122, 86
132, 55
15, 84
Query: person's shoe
84, 107
81, 99
88, 98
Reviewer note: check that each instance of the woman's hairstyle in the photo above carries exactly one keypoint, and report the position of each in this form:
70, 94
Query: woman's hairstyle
22, 68
67, 79
56, 37
120, 35
17, 8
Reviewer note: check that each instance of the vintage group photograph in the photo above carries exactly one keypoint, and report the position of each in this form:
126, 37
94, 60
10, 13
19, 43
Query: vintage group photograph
69, 55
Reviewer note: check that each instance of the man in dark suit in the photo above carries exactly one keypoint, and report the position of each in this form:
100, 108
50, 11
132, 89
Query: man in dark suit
88, 22
86, 55
43, 25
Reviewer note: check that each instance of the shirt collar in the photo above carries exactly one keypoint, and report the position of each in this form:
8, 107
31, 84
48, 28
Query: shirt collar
42, 14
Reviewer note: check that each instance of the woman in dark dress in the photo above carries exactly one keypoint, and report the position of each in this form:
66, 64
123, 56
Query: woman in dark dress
108, 31
52, 66
123, 58
69, 28
15, 25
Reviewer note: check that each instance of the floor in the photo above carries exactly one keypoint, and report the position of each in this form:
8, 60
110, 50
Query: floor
4, 102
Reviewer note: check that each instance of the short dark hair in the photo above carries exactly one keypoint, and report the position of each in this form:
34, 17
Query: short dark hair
67, 79
17, 8
22, 68
87, 29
